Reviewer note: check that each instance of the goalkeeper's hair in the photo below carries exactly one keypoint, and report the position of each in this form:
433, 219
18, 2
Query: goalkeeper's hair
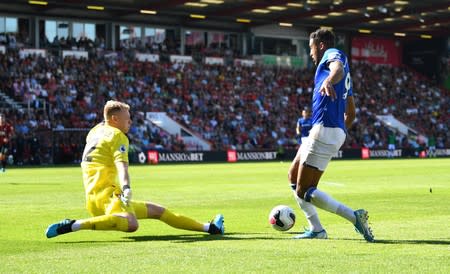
113, 107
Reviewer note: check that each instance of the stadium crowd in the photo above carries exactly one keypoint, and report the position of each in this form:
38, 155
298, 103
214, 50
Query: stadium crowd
409, 97
232, 107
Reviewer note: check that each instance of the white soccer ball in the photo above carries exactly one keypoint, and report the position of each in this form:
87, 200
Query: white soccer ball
282, 218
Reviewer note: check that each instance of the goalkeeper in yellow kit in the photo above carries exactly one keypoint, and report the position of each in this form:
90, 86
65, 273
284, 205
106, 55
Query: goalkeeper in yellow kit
105, 158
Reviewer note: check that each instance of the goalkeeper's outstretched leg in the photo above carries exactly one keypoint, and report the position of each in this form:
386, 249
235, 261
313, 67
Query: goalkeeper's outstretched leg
125, 222
149, 210
128, 222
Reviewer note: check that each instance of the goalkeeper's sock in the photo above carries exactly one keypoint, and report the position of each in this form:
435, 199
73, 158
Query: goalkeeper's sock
105, 222
181, 222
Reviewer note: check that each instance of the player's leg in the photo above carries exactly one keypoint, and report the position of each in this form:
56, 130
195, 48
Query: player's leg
315, 159
359, 218
119, 222
149, 210
309, 177
118, 217
293, 169
317, 155
308, 209
308, 181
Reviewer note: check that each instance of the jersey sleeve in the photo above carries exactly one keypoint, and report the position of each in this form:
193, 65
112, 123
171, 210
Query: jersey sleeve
120, 148
334, 55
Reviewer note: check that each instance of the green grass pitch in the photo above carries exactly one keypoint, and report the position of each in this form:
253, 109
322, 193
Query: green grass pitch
411, 225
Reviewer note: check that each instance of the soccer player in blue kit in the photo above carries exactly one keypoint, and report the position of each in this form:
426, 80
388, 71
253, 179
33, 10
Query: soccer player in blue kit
304, 125
333, 110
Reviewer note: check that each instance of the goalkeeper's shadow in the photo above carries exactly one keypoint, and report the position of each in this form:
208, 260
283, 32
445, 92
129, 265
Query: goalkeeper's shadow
187, 238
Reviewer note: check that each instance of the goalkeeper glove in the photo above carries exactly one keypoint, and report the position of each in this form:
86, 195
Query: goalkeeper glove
126, 195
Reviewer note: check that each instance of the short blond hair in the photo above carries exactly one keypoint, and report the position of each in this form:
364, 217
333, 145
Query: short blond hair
112, 107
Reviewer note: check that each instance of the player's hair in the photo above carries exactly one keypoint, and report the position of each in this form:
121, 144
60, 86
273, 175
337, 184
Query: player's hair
112, 107
323, 35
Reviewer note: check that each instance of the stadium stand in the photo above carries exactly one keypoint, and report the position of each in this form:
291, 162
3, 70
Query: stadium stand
242, 108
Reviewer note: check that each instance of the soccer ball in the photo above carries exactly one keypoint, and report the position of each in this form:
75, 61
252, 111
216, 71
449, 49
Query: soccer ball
282, 218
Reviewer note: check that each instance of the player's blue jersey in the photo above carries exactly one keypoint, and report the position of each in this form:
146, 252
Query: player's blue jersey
306, 125
325, 111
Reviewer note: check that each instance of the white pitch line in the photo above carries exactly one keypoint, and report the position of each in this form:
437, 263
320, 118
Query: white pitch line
332, 184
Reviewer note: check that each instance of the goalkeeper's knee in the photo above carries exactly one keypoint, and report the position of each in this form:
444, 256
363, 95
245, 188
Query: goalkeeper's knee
125, 222
133, 224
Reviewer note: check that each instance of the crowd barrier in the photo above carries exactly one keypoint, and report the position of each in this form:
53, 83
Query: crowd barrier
231, 156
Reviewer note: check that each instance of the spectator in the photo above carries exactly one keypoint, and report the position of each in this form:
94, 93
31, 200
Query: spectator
231, 107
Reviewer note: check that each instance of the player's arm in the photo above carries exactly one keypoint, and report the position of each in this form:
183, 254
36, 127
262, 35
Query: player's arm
350, 112
124, 180
122, 171
336, 72
298, 129
336, 75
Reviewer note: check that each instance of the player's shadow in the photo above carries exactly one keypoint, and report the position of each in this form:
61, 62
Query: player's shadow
189, 238
106, 242
413, 242
401, 242
33, 184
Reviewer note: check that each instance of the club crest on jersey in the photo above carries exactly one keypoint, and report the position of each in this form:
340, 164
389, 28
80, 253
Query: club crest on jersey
122, 148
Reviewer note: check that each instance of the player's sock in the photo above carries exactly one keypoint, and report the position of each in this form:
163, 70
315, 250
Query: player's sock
105, 222
326, 202
309, 210
3, 165
310, 213
181, 222
140, 209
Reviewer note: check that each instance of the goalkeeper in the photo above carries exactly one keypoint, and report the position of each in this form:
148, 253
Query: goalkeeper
105, 158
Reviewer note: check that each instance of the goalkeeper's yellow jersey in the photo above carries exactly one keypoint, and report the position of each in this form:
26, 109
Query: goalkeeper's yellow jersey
105, 145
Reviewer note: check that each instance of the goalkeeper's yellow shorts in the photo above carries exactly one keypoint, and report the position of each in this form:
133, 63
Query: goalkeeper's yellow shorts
98, 205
